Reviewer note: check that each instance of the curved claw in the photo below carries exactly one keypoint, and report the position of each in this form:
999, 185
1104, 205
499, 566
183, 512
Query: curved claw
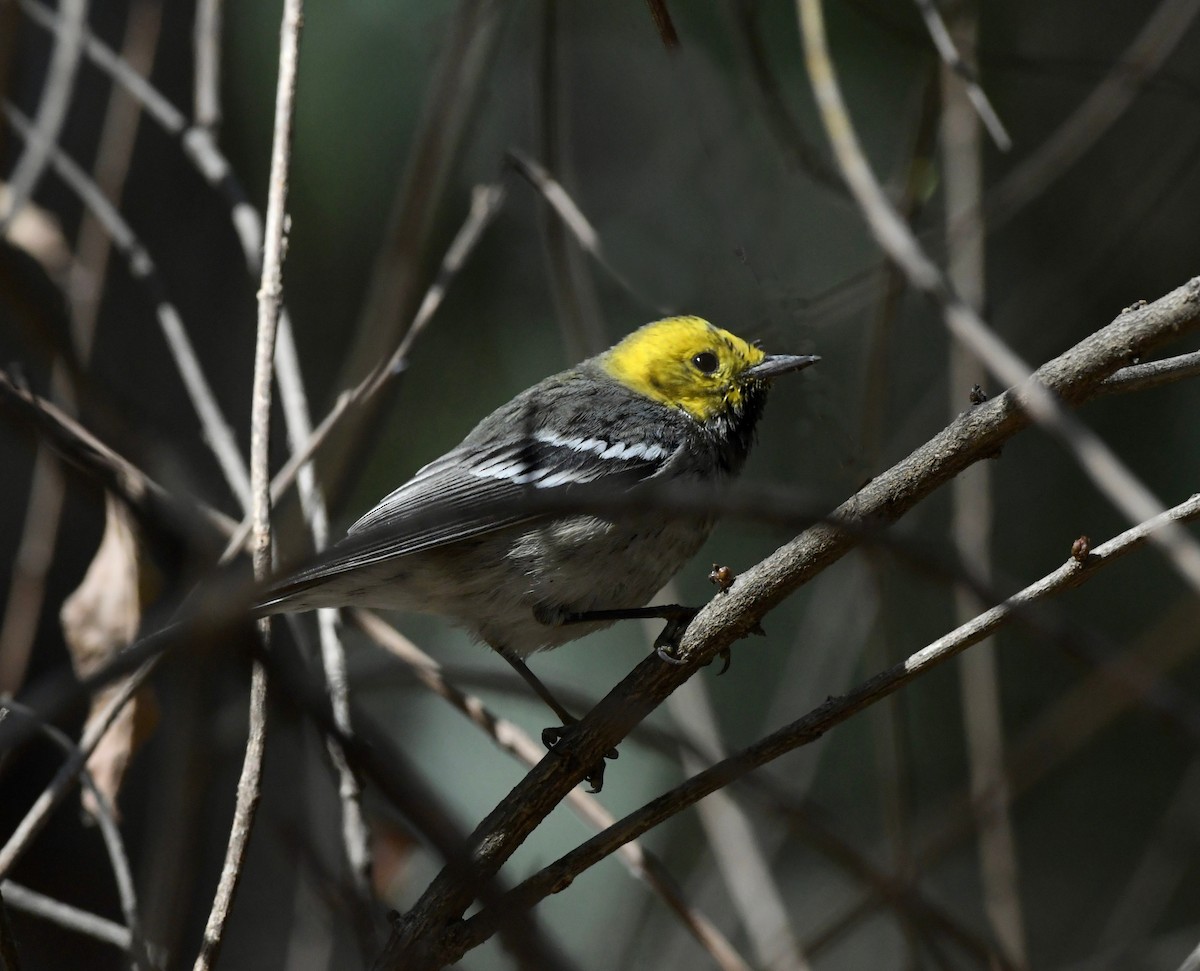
553, 738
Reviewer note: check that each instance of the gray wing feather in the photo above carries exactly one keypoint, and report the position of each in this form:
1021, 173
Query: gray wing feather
472, 491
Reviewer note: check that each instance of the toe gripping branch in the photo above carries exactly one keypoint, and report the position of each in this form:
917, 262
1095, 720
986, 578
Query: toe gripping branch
560, 739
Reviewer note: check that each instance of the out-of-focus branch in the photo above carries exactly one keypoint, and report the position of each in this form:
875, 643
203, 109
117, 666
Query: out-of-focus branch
801, 732
142, 268
1108, 474
398, 276
85, 281
9, 959
1159, 36
68, 773
573, 218
109, 831
51, 113
964, 72
972, 515
206, 47
64, 915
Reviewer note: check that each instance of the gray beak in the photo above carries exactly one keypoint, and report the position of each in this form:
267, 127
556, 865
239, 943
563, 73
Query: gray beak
776, 364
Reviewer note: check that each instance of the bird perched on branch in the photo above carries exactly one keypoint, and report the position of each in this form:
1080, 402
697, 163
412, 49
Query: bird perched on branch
484, 535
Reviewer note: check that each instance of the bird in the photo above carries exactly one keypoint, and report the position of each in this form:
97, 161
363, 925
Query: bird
482, 535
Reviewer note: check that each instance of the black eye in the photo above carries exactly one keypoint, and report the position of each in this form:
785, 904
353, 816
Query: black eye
706, 361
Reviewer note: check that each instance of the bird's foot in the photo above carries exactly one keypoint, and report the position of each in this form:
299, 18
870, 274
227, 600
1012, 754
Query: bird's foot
677, 617
558, 739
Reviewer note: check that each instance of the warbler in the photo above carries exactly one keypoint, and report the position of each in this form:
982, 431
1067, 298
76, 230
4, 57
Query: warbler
676, 400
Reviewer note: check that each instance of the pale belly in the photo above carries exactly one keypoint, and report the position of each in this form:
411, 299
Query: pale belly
512, 588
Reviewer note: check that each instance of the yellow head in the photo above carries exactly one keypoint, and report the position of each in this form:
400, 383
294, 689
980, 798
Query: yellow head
687, 363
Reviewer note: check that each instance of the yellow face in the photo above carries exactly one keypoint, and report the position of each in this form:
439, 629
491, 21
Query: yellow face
684, 362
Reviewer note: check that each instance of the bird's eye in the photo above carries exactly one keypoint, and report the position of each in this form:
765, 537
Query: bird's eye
706, 361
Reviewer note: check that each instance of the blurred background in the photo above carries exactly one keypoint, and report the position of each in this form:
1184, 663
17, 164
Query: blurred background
705, 172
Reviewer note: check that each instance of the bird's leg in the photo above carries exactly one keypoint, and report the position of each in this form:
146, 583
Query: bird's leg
539, 689
551, 737
677, 617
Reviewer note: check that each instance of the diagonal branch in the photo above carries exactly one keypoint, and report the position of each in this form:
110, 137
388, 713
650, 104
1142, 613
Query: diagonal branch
804, 731
1108, 474
1073, 376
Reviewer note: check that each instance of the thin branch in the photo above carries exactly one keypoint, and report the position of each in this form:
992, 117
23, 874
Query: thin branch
52, 111
806, 729
269, 299
23, 607
1192, 961
68, 773
663, 23
401, 264
573, 218
972, 515
1159, 36
965, 73
141, 267
110, 832
1154, 374
512, 739
1111, 477
65, 916
9, 959
486, 201
735, 845
206, 48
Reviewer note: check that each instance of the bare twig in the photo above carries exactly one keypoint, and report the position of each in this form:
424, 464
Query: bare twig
573, 218
109, 830
485, 205
9, 959
1154, 374
806, 729
64, 915
397, 278
1105, 470
1192, 961
51, 113
68, 773
23, 607
141, 266
964, 72
206, 47
663, 23
1159, 36
269, 299
516, 742
971, 495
